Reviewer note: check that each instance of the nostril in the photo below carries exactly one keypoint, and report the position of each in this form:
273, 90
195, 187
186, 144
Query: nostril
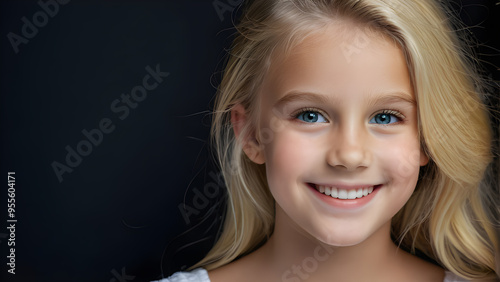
348, 158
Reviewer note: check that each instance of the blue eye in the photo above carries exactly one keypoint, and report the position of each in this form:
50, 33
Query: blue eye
384, 118
311, 117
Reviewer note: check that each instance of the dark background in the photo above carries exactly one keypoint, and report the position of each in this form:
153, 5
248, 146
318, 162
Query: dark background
117, 216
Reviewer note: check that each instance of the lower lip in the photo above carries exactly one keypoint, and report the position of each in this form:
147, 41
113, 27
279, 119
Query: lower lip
347, 203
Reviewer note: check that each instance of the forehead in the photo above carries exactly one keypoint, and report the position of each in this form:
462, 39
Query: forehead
342, 58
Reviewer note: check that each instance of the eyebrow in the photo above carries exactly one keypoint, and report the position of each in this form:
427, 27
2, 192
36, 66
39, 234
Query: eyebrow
381, 98
304, 96
391, 97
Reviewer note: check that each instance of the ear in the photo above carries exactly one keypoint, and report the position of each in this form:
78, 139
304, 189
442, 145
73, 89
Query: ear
250, 144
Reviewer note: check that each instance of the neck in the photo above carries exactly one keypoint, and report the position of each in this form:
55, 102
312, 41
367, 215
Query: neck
294, 254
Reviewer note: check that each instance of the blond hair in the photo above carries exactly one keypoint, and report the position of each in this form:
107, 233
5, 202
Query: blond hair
445, 219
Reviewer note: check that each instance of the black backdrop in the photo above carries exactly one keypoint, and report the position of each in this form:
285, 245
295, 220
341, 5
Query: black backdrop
127, 166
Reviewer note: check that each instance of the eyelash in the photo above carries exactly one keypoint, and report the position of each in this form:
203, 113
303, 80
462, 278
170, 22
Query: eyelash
296, 114
395, 113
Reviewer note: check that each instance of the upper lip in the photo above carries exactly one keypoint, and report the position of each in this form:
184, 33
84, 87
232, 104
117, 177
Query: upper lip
344, 186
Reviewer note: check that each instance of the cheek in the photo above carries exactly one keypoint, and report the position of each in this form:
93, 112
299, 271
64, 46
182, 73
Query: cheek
400, 164
288, 155
287, 151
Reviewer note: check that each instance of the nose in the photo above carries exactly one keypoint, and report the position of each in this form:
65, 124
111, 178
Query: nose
349, 149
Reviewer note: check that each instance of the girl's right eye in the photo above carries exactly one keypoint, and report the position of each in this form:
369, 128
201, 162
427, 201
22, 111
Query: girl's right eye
311, 116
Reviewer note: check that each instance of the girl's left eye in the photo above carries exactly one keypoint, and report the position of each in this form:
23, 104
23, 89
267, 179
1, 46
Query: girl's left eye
385, 118
311, 116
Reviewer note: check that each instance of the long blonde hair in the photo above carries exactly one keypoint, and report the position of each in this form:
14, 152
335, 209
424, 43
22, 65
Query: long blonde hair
445, 219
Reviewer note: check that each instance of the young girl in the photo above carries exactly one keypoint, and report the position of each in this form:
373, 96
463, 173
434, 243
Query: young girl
354, 144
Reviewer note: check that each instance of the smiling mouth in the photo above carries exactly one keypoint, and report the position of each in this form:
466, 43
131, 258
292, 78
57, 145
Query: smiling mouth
345, 194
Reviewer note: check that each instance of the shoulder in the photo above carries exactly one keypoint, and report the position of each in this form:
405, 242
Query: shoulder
196, 275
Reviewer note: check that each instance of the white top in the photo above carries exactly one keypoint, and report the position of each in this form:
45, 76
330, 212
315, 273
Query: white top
201, 275
196, 275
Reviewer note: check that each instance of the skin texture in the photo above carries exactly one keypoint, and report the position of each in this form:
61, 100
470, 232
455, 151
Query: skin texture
344, 92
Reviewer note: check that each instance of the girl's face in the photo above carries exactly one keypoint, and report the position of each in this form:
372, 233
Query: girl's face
338, 116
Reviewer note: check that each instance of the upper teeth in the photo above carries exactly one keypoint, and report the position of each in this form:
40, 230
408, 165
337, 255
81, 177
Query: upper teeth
343, 194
